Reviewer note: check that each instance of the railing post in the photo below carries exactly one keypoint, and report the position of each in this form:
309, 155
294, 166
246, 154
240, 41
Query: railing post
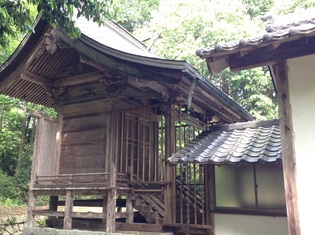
67, 224
111, 200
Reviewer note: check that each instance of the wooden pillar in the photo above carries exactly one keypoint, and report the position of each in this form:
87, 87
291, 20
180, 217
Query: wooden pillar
31, 208
67, 223
104, 211
209, 187
109, 157
169, 198
288, 148
129, 209
111, 201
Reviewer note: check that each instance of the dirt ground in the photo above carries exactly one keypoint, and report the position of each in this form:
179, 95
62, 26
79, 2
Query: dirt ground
12, 210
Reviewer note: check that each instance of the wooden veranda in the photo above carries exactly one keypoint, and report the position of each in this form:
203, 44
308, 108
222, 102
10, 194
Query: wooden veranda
136, 185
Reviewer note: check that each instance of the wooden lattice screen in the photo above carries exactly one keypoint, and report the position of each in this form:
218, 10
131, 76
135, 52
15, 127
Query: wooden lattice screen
137, 143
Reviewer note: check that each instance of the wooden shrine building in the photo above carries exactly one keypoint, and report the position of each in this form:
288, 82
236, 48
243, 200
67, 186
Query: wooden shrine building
122, 112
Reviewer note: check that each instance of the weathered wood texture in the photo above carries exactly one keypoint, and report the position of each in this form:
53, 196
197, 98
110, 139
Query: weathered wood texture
31, 207
170, 132
135, 143
68, 210
83, 145
44, 156
111, 201
288, 149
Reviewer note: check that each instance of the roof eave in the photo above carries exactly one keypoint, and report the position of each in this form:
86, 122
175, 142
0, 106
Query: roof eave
260, 54
23, 55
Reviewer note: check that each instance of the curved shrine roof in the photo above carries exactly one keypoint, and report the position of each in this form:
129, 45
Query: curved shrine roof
50, 68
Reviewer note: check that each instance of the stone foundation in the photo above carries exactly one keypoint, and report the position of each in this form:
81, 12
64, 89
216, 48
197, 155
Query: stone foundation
12, 225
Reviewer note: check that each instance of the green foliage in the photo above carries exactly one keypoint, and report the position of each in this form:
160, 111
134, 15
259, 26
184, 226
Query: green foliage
283, 7
185, 27
15, 166
258, 7
132, 14
17, 16
252, 89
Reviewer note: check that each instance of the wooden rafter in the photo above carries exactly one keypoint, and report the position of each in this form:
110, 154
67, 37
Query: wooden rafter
34, 78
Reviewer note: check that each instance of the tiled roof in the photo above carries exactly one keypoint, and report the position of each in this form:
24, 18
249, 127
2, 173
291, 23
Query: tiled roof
282, 28
250, 142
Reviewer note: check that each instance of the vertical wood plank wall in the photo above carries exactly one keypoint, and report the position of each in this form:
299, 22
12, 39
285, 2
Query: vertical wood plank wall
45, 148
83, 144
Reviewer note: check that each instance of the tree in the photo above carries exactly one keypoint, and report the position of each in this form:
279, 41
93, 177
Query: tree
258, 7
185, 27
132, 14
17, 16
283, 7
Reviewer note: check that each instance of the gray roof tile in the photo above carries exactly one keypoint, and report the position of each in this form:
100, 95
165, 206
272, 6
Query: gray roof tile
282, 28
232, 145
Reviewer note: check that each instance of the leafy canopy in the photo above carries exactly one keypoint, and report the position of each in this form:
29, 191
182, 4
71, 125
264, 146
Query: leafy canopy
17, 16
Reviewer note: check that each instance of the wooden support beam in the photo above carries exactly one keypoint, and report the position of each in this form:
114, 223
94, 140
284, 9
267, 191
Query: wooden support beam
104, 212
129, 209
31, 208
169, 197
111, 201
67, 224
34, 78
287, 145
209, 185
78, 79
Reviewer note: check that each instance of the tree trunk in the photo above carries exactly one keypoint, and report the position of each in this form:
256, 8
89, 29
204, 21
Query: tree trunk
25, 123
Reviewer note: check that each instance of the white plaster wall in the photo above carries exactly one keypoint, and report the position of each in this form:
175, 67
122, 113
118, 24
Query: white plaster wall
302, 95
249, 225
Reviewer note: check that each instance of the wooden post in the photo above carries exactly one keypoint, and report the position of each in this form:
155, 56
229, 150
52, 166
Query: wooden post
209, 186
31, 208
111, 201
129, 209
109, 158
288, 149
67, 223
169, 198
104, 211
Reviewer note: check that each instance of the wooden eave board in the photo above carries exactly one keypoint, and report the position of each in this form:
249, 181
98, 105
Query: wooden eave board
262, 54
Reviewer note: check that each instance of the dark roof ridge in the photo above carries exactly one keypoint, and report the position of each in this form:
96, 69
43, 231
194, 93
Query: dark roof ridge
244, 125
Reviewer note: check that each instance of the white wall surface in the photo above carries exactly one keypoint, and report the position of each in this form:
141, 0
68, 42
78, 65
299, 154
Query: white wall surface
250, 225
302, 95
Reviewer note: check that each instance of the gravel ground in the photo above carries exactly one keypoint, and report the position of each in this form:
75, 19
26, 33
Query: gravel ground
12, 210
